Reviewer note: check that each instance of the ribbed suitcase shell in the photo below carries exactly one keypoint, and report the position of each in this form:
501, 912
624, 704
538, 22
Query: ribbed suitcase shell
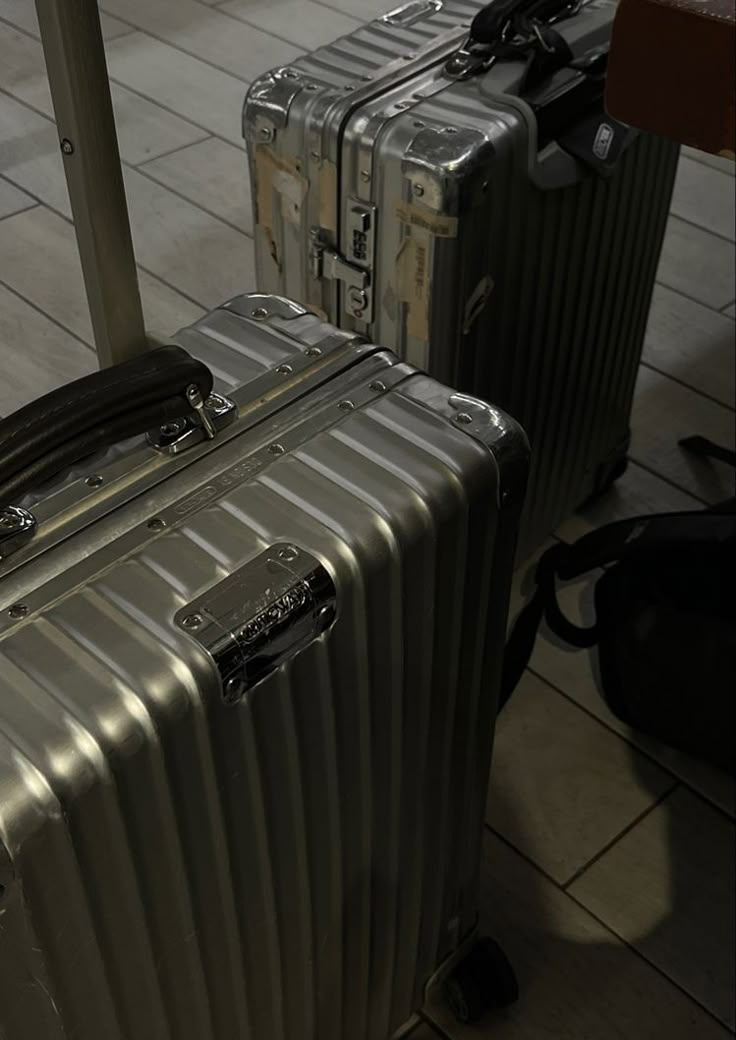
570, 256
297, 865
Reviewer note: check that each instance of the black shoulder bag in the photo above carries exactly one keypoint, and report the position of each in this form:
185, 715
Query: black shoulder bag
665, 624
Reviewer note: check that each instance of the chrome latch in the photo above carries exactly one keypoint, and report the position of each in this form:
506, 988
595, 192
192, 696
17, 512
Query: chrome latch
469, 60
261, 616
209, 418
17, 526
353, 268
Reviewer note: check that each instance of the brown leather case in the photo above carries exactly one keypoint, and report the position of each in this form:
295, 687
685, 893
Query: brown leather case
672, 70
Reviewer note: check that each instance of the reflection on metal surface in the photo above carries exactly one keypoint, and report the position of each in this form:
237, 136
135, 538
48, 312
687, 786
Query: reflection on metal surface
178, 435
499, 434
261, 616
17, 526
412, 12
262, 306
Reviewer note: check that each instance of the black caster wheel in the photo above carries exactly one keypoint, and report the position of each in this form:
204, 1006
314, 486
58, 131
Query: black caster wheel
484, 980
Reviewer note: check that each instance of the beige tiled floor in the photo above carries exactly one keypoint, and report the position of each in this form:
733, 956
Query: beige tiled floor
609, 860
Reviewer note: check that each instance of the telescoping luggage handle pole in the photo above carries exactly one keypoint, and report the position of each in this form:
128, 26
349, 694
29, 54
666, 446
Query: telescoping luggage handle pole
77, 71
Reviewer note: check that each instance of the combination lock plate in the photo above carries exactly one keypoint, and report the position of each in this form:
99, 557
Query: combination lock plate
353, 267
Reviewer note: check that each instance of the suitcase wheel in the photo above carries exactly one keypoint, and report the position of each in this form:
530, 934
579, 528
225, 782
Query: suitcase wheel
484, 980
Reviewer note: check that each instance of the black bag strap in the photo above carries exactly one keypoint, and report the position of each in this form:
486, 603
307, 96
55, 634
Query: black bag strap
517, 30
599, 548
708, 449
499, 19
606, 545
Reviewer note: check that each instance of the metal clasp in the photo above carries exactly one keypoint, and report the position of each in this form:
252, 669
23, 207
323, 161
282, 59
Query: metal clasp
354, 268
469, 60
17, 526
326, 263
210, 417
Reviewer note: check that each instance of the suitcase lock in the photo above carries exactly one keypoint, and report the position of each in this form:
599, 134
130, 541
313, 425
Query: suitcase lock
354, 268
260, 616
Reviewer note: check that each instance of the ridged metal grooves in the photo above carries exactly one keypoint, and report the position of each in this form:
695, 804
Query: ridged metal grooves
564, 330
295, 866
367, 50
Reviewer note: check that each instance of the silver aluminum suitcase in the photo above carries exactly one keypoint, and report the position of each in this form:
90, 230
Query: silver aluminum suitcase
408, 192
247, 698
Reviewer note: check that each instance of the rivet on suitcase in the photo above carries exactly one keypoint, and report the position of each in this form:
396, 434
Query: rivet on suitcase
248, 679
467, 203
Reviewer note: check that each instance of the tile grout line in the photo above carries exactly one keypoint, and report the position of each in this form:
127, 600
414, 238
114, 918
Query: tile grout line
606, 927
167, 155
148, 176
220, 6
172, 151
193, 54
523, 855
339, 10
254, 25
660, 971
690, 494
669, 480
645, 754
687, 386
157, 277
171, 112
133, 28
120, 35
619, 837
174, 191
124, 86
47, 316
688, 296
15, 212
16, 187
695, 158
701, 227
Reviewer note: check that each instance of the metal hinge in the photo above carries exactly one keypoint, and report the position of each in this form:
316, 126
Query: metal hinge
353, 269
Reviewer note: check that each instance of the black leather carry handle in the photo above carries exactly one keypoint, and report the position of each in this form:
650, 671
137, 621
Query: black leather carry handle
95, 412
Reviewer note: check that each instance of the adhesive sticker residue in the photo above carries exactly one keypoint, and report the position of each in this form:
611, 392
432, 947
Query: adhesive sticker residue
414, 282
437, 224
278, 180
328, 196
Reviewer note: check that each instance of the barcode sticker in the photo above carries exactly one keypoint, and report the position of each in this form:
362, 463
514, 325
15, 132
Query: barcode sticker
420, 271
